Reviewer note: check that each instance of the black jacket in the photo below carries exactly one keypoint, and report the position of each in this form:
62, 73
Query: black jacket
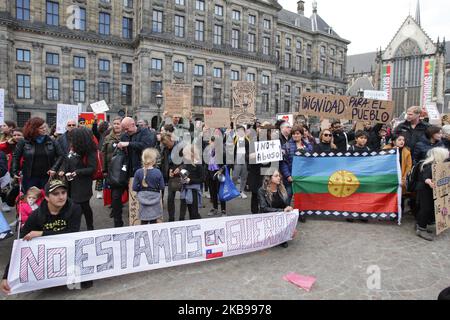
323, 147
424, 174
341, 140
167, 161
139, 141
3, 164
25, 149
67, 221
63, 142
81, 186
422, 147
266, 206
413, 136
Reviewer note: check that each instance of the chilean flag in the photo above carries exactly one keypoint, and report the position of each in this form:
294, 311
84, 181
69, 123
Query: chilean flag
211, 255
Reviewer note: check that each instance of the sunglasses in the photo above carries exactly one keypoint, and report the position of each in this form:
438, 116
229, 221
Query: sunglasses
71, 125
327, 135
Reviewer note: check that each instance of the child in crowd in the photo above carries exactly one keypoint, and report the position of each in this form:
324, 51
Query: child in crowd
29, 203
361, 138
149, 183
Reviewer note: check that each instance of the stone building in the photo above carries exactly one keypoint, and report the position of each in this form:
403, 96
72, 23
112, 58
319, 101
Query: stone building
412, 69
125, 51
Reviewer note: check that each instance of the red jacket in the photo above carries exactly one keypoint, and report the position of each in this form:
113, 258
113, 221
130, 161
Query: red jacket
24, 209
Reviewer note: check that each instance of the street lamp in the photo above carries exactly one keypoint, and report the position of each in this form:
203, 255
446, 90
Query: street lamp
159, 99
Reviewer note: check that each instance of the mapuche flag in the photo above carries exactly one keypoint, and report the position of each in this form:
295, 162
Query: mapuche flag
351, 185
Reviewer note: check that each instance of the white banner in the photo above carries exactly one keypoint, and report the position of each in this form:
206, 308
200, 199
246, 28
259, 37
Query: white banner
2, 106
268, 151
67, 259
64, 113
376, 95
99, 107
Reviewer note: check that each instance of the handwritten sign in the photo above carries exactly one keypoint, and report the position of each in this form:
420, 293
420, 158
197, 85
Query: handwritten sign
133, 203
441, 195
286, 117
2, 106
178, 99
243, 102
433, 113
99, 107
217, 117
376, 95
89, 118
268, 151
69, 259
64, 113
344, 107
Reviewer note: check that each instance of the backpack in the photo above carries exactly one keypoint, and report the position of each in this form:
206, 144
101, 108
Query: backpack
412, 177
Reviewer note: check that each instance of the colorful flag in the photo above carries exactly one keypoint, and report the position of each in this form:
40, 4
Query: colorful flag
351, 185
213, 255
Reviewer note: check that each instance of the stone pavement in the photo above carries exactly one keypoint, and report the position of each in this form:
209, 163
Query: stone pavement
337, 253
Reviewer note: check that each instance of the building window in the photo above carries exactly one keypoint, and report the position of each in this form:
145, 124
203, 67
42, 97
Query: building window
277, 87
156, 87
79, 62
200, 5
127, 68
266, 46
217, 72
79, 20
251, 77
199, 30
251, 42
217, 97
103, 91
265, 79
277, 106
287, 60
235, 35
179, 2
23, 86
267, 24
236, 15
79, 90
322, 66
127, 28
309, 49
23, 55
235, 75
288, 42
218, 10
287, 106
299, 45
277, 55
156, 64
52, 88
251, 19
198, 70
298, 90
298, 63
128, 3
448, 81
331, 70
103, 65
265, 102
198, 96
322, 50
52, 13
23, 9
125, 94
157, 25
179, 26
178, 67
52, 58
277, 39
104, 23
308, 65
218, 34
332, 52
340, 71
22, 118
287, 88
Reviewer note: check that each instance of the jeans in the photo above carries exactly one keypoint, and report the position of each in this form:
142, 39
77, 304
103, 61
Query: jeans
116, 195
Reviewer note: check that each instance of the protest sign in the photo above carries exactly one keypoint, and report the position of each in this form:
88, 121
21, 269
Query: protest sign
243, 102
178, 99
89, 118
64, 113
376, 95
217, 117
268, 151
433, 113
133, 203
441, 195
2, 106
82, 256
286, 117
99, 107
339, 107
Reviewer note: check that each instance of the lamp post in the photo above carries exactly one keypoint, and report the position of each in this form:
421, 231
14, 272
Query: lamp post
159, 99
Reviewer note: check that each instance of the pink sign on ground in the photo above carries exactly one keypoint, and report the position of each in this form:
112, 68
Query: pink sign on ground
303, 282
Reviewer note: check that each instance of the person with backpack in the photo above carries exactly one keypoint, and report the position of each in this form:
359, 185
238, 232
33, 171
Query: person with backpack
424, 188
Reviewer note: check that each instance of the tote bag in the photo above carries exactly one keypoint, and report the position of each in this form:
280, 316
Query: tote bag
228, 190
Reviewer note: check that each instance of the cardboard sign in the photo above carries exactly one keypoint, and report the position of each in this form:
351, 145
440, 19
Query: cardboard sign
89, 117
441, 195
343, 107
286, 117
217, 117
2, 106
268, 151
178, 99
243, 102
433, 113
64, 113
99, 107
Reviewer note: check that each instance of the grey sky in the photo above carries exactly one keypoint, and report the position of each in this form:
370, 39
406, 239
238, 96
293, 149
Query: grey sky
369, 24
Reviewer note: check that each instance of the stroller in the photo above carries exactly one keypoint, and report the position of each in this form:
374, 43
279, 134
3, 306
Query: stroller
23, 209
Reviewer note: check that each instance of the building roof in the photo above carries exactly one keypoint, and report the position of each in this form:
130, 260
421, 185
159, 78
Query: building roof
361, 63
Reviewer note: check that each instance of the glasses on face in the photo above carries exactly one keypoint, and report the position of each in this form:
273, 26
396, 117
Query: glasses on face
327, 135
71, 125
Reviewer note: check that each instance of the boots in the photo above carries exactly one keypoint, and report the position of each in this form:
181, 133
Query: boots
424, 235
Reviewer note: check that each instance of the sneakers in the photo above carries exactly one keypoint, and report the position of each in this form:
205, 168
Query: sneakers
212, 212
223, 213
207, 195
431, 228
424, 235
99, 195
243, 195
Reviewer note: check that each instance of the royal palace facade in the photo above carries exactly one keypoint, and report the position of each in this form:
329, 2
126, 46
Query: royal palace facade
126, 51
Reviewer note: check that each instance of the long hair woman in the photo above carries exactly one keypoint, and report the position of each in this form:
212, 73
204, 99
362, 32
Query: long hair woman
79, 166
37, 156
326, 142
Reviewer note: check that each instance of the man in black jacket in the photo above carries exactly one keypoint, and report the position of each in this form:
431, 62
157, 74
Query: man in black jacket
63, 140
56, 215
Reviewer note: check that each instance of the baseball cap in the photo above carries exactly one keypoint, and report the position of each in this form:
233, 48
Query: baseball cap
53, 185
